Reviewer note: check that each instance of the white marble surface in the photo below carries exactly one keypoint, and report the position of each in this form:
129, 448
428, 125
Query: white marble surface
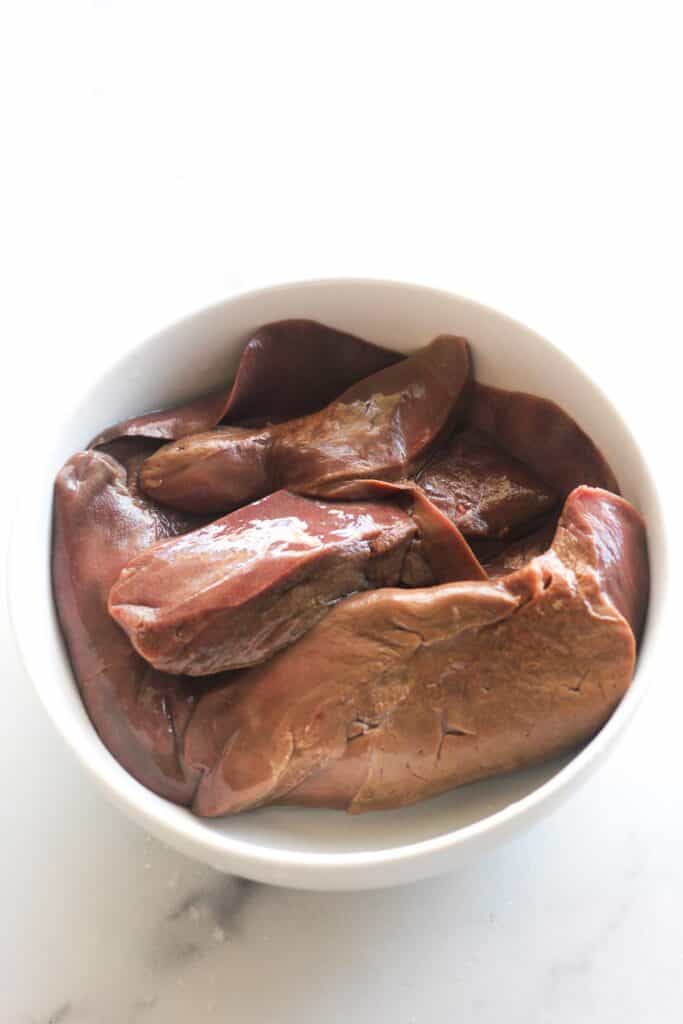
165, 154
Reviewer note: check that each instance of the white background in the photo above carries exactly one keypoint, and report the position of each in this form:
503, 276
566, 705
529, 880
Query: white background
158, 156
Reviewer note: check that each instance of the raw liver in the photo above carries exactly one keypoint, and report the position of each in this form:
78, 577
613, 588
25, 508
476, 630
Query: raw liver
432, 688
287, 369
383, 427
139, 713
513, 556
482, 489
541, 435
233, 593
394, 695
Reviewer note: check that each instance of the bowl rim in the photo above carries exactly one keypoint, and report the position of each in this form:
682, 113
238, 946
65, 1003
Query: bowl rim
153, 811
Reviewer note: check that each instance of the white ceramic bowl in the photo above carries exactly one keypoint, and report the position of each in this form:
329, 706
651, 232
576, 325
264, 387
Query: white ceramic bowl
295, 846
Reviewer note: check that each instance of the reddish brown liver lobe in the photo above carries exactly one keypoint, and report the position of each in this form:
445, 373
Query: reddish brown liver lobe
390, 696
432, 688
139, 713
287, 369
482, 489
233, 593
381, 427
542, 436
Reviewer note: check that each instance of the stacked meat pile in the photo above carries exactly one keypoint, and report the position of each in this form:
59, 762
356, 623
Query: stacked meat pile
351, 580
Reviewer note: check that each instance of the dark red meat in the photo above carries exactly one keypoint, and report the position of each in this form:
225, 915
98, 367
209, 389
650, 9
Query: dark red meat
482, 489
432, 688
381, 427
287, 369
140, 714
542, 436
389, 659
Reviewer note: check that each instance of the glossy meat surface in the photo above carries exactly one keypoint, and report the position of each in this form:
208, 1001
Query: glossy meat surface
435, 687
482, 489
287, 369
542, 436
439, 553
511, 556
233, 593
381, 427
139, 713
336, 640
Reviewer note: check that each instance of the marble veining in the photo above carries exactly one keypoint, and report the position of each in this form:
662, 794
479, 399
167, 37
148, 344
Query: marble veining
201, 918
61, 1014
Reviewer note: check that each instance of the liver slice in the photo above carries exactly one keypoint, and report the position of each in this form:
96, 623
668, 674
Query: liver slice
485, 491
541, 435
432, 688
513, 556
287, 369
383, 427
233, 593
139, 713
389, 696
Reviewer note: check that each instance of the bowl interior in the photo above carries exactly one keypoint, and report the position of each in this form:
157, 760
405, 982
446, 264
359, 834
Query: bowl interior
197, 355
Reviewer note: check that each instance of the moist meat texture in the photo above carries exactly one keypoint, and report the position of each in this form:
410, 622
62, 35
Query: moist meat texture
287, 369
409, 587
234, 592
432, 688
381, 427
139, 713
540, 434
482, 489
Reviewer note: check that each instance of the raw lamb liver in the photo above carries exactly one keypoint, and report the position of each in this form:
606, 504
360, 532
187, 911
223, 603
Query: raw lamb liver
287, 369
435, 687
542, 436
233, 593
335, 640
482, 489
139, 713
383, 426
